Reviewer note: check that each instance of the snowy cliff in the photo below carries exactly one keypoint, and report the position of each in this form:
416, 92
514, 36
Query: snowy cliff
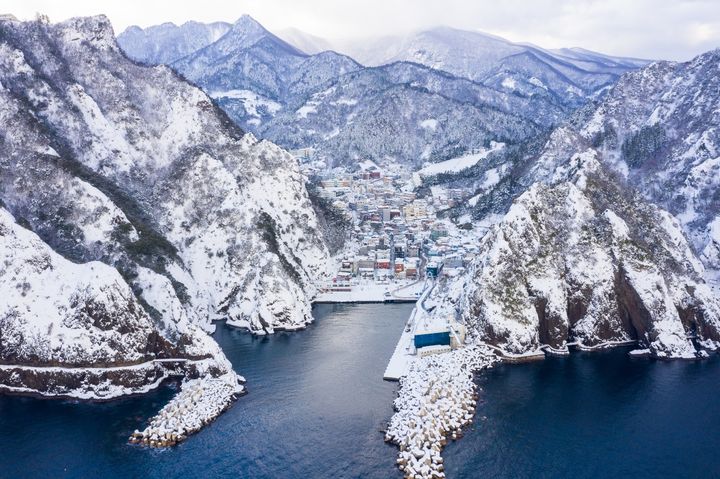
78, 330
582, 259
161, 206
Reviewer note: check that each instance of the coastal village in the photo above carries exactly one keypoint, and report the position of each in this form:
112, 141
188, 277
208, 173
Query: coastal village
397, 242
399, 248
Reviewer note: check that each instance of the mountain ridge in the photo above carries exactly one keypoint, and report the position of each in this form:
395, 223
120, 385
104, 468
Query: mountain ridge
653, 136
255, 85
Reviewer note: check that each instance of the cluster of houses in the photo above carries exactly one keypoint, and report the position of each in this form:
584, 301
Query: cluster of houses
397, 235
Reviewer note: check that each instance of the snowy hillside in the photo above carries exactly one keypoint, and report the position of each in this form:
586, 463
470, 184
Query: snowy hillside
381, 113
660, 127
168, 42
581, 259
409, 111
457, 165
109, 161
657, 129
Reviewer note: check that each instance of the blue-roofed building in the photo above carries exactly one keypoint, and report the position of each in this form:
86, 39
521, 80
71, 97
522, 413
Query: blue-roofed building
432, 337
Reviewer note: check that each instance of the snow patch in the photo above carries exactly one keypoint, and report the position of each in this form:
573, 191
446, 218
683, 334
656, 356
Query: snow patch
461, 163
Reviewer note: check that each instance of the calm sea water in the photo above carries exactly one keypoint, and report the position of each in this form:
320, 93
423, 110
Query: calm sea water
315, 407
317, 402
590, 415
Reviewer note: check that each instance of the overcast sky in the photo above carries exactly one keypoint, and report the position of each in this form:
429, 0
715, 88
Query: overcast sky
658, 29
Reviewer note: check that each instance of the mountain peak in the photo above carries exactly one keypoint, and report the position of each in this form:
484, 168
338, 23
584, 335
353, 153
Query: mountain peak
246, 32
247, 24
97, 29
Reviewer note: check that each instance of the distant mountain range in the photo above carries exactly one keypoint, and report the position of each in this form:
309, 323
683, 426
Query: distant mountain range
494, 61
428, 97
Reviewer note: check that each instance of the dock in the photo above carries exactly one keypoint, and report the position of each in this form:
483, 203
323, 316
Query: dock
371, 292
404, 353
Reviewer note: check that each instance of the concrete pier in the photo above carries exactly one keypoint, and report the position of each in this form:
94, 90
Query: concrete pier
404, 352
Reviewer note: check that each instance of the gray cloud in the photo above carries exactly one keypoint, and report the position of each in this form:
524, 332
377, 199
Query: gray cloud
667, 29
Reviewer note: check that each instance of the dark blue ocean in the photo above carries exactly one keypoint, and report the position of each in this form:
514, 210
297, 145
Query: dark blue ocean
317, 403
594, 414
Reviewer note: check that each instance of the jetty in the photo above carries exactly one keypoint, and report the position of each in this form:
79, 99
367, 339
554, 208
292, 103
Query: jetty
437, 398
198, 403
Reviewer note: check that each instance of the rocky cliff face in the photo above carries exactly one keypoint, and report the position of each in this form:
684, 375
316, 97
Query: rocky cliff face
581, 259
109, 161
77, 329
589, 262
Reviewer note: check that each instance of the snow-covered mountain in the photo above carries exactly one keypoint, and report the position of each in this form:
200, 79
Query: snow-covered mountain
572, 74
168, 42
405, 111
136, 211
250, 59
582, 256
660, 128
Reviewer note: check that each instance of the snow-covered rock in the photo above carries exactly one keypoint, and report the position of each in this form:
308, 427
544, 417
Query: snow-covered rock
133, 211
199, 402
58, 312
580, 258
436, 400
78, 330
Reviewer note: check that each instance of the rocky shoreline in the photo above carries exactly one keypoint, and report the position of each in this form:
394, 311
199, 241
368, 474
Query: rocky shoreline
83, 383
436, 400
198, 403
